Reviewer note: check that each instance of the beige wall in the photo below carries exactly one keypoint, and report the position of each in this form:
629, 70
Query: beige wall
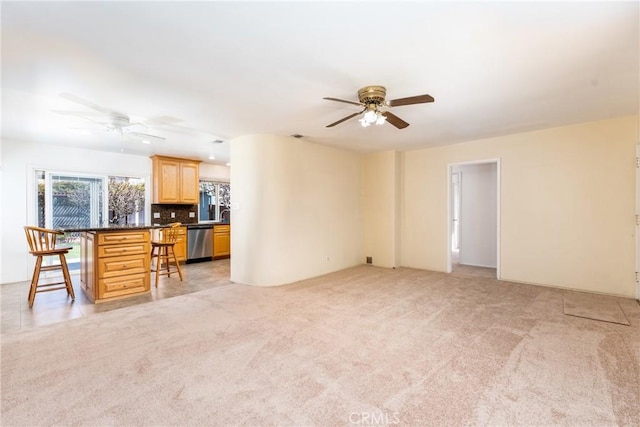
567, 205
297, 209
381, 201
214, 172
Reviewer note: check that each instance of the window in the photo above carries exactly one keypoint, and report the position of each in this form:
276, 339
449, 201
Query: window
69, 201
126, 200
73, 200
215, 201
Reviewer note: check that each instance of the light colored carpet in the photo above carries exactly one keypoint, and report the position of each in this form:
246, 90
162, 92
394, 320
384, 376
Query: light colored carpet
364, 346
595, 307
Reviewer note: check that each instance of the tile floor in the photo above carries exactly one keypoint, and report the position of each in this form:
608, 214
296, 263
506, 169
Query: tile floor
56, 306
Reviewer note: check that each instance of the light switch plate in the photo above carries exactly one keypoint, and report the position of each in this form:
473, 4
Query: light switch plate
173, 214
156, 214
192, 214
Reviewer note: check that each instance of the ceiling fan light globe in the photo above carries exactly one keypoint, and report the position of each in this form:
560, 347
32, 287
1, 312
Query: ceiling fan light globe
381, 119
363, 121
371, 116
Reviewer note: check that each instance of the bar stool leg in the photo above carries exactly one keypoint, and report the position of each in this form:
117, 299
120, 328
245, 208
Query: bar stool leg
175, 259
155, 255
166, 260
67, 278
34, 281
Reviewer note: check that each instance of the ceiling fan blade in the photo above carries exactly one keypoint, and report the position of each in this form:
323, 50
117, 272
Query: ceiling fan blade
89, 104
92, 120
144, 125
420, 99
76, 113
161, 120
182, 129
342, 100
345, 119
145, 136
395, 120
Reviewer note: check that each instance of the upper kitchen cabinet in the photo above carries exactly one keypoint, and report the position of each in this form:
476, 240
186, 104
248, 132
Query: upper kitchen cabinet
175, 180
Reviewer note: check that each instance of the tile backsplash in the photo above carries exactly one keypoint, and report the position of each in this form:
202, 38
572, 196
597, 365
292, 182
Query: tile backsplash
181, 214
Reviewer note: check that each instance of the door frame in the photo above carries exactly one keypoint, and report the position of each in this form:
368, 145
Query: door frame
637, 229
453, 206
450, 167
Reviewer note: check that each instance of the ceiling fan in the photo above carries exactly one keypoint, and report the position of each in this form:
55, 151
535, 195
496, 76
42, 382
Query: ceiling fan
115, 121
372, 98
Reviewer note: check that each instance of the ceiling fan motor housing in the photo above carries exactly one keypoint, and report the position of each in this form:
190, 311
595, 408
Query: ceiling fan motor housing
372, 95
119, 121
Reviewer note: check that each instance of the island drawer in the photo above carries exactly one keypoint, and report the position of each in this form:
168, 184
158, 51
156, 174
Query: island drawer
123, 265
128, 249
119, 286
126, 237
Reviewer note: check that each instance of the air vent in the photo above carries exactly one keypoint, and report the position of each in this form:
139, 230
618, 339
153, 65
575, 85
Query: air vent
217, 141
297, 135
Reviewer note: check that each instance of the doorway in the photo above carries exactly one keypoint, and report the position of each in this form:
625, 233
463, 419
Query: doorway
473, 219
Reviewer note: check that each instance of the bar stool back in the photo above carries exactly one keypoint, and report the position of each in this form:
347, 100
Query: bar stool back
162, 249
42, 243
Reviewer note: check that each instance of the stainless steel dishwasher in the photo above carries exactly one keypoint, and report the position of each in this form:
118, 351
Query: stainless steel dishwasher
199, 242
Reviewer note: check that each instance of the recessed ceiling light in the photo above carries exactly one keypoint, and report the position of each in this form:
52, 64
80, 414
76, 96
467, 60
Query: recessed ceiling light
212, 157
229, 164
146, 141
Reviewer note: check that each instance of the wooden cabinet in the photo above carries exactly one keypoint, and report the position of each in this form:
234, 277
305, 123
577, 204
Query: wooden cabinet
166, 177
190, 182
87, 274
175, 180
114, 264
180, 247
221, 241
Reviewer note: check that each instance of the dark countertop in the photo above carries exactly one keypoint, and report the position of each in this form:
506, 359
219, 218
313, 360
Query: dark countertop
121, 227
112, 228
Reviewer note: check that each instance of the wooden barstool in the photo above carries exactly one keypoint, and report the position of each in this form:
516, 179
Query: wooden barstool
42, 243
162, 249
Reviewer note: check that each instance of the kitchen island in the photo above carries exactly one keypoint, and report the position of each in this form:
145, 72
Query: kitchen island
114, 261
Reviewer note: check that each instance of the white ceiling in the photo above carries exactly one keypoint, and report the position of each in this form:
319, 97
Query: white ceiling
229, 68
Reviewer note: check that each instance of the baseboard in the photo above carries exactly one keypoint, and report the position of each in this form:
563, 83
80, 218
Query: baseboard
566, 288
478, 265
